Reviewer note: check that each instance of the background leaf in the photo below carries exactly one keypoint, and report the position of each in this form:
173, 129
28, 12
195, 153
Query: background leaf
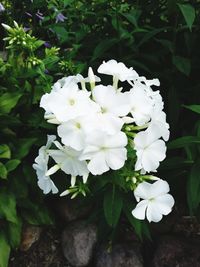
4, 250
112, 204
182, 64
188, 12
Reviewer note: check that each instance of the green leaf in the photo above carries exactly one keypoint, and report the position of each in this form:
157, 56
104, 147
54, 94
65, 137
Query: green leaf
50, 62
3, 171
102, 47
8, 101
188, 12
133, 16
5, 152
149, 35
23, 147
193, 187
4, 250
12, 164
182, 64
61, 33
113, 203
8, 206
195, 108
174, 163
140, 227
14, 233
183, 141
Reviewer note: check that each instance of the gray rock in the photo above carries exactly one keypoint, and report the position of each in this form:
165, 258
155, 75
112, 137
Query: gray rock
122, 255
78, 242
173, 251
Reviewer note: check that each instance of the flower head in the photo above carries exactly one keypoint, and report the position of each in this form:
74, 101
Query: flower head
155, 202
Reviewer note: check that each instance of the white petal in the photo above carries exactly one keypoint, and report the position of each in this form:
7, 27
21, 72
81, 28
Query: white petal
165, 203
159, 188
140, 209
97, 164
153, 214
116, 141
142, 190
116, 158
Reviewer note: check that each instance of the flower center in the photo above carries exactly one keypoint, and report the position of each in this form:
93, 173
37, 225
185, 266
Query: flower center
71, 102
152, 199
78, 125
104, 110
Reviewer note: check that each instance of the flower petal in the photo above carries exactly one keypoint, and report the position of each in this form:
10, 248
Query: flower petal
140, 209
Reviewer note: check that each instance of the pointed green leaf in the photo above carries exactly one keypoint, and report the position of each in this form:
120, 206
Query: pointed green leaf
183, 141
5, 152
4, 250
102, 47
14, 233
3, 171
8, 101
195, 108
23, 147
12, 164
193, 187
112, 206
188, 12
182, 64
8, 206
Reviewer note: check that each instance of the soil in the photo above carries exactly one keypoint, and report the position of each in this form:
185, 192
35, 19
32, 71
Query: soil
46, 252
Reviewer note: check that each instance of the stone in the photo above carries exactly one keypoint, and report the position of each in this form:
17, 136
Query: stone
122, 255
78, 242
177, 252
30, 235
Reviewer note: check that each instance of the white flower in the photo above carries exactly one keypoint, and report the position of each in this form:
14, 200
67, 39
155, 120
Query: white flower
41, 167
68, 160
105, 151
156, 201
141, 105
73, 132
111, 101
158, 124
149, 150
68, 103
65, 82
118, 70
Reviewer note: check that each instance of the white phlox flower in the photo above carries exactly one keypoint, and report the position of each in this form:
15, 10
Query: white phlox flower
68, 160
158, 125
149, 150
111, 101
155, 202
141, 105
105, 151
69, 103
41, 167
118, 70
64, 82
73, 132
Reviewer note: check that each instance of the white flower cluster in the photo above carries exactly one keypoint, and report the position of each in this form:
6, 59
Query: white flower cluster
96, 125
